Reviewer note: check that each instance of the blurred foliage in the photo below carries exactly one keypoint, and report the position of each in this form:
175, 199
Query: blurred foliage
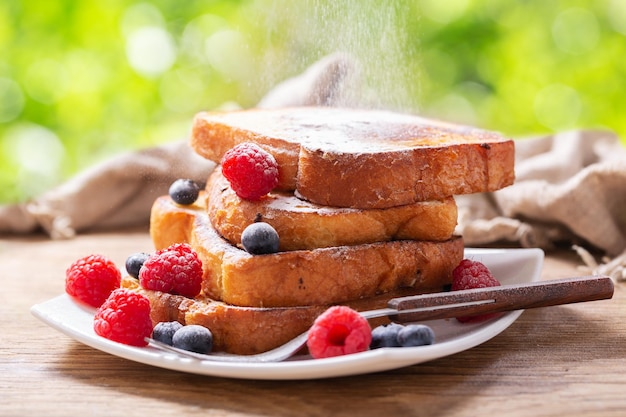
83, 80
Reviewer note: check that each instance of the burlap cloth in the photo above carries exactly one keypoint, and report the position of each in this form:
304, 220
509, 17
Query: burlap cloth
570, 187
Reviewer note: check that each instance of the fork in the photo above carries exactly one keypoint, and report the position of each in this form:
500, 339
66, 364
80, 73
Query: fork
443, 305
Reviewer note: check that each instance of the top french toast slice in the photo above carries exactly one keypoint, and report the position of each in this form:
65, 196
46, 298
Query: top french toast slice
363, 158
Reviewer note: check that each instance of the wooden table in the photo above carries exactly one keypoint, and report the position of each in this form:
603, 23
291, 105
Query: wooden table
559, 361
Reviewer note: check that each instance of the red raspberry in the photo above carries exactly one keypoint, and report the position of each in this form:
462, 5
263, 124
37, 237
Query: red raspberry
91, 279
339, 331
251, 171
125, 318
473, 274
175, 270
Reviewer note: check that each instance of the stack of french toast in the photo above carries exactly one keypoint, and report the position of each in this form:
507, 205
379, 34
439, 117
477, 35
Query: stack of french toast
364, 209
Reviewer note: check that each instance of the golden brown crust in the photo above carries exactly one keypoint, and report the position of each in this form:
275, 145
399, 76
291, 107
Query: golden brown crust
247, 330
420, 174
304, 225
240, 330
361, 158
305, 277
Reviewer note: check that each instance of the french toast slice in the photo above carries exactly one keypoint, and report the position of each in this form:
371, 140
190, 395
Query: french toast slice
304, 277
304, 225
235, 329
247, 330
363, 158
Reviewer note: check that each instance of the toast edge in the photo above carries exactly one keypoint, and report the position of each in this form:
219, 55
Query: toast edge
296, 278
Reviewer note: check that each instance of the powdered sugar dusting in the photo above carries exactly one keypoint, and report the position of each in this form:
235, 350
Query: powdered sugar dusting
353, 130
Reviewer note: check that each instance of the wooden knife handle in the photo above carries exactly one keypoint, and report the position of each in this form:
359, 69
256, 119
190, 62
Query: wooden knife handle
502, 298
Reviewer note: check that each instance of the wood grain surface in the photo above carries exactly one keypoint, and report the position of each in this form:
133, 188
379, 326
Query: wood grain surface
558, 361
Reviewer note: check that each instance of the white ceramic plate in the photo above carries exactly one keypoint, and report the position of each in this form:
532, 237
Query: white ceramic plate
510, 266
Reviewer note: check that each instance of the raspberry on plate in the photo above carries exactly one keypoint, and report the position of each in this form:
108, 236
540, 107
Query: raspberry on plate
340, 330
473, 274
91, 279
125, 318
175, 270
251, 171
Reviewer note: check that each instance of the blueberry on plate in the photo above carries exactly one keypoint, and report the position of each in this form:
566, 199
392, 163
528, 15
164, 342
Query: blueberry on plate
164, 331
194, 338
386, 336
134, 263
260, 238
416, 335
184, 191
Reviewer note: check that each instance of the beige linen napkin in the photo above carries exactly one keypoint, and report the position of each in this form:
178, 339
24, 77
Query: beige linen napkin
570, 187
113, 194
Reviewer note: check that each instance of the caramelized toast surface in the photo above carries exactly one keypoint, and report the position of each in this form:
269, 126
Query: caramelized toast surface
235, 329
303, 277
363, 158
247, 330
304, 225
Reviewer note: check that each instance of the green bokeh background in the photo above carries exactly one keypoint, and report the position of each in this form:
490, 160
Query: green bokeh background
81, 81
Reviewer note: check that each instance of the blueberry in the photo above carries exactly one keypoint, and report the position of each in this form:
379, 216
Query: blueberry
164, 331
260, 238
416, 335
385, 336
194, 338
184, 191
134, 263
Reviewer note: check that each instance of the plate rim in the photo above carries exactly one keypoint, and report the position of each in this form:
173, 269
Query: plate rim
53, 311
